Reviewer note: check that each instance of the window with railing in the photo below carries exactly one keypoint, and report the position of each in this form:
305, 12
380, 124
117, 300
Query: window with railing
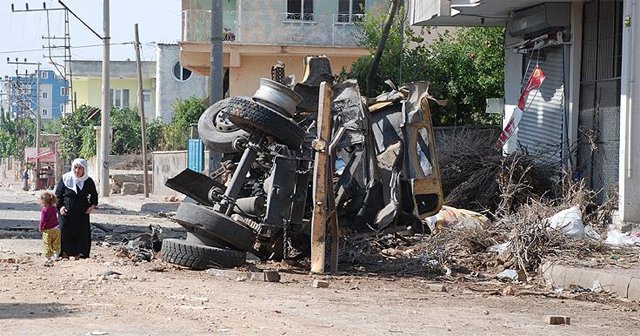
350, 11
300, 10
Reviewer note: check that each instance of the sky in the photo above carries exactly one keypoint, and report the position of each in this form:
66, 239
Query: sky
21, 32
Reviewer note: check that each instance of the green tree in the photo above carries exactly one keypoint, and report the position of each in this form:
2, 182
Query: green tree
125, 125
15, 135
77, 134
464, 67
176, 133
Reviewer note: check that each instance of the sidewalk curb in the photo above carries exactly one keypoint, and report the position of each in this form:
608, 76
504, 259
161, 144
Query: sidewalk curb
149, 205
623, 285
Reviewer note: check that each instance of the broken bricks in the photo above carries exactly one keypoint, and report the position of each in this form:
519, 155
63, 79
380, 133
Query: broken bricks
557, 319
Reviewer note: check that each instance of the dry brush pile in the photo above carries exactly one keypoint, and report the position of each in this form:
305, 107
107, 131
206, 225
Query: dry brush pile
518, 192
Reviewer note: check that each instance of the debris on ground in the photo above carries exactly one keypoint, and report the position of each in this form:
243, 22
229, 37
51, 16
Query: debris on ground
142, 248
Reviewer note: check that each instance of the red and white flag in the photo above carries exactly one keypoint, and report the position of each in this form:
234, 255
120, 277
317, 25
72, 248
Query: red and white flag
535, 81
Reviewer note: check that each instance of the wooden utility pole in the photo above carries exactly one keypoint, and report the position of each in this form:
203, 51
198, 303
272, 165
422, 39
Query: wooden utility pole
373, 70
141, 110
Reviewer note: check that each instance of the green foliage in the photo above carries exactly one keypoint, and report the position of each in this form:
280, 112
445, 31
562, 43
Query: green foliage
127, 133
464, 67
77, 135
154, 134
15, 135
176, 134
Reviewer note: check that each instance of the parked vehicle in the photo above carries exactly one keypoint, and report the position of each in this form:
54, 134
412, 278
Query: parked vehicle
382, 163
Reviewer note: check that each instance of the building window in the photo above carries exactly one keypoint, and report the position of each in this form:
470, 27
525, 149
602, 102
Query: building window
120, 98
146, 96
350, 10
64, 91
300, 10
62, 108
181, 73
45, 94
44, 74
45, 112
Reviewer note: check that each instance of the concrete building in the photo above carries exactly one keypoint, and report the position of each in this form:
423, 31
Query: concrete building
87, 84
258, 33
583, 114
42, 91
164, 81
174, 82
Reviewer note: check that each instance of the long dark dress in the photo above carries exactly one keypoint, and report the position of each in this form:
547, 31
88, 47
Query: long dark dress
74, 226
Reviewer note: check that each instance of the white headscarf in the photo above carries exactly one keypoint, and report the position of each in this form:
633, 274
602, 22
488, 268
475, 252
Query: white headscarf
69, 178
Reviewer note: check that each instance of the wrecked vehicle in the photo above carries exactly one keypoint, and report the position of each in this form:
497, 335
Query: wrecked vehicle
376, 157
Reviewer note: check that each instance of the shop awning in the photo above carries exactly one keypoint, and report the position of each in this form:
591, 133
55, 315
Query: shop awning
45, 155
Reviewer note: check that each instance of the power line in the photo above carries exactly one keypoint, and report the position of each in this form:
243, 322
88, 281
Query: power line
76, 47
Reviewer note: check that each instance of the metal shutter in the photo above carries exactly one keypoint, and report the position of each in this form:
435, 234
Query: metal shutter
541, 130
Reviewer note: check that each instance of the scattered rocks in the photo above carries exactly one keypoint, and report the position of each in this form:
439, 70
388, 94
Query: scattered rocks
557, 319
320, 284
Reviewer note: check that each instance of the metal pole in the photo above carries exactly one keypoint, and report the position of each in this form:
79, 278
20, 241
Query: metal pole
215, 69
141, 109
38, 126
215, 72
105, 144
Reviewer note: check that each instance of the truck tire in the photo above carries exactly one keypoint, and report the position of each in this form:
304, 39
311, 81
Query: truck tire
216, 226
180, 252
216, 130
252, 116
199, 237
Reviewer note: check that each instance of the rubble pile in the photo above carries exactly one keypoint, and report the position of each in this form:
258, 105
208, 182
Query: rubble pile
527, 226
471, 169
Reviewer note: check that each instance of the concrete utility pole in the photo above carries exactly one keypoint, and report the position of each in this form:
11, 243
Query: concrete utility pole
215, 73
142, 117
215, 69
105, 144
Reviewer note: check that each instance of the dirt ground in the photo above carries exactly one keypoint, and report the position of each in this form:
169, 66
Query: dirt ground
86, 297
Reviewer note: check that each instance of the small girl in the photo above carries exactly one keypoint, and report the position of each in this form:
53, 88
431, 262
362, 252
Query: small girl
49, 227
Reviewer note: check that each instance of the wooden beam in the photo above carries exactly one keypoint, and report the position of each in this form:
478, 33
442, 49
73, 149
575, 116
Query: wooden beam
321, 186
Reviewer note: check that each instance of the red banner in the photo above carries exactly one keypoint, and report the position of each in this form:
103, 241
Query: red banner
535, 81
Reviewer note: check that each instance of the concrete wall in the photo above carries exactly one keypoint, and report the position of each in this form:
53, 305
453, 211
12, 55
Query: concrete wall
117, 69
266, 22
245, 80
169, 88
165, 166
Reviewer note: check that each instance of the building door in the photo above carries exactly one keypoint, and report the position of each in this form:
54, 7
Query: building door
599, 108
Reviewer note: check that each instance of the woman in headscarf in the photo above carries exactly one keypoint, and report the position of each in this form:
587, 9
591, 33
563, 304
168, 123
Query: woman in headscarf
77, 197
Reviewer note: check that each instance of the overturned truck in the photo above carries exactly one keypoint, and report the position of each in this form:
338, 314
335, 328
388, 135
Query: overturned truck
297, 158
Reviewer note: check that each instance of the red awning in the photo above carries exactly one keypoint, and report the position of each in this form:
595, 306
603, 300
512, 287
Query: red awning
46, 155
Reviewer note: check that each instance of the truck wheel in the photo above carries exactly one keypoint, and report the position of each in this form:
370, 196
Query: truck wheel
180, 252
216, 130
251, 117
199, 237
216, 226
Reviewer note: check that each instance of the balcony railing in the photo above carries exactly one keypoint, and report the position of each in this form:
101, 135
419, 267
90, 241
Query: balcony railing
270, 27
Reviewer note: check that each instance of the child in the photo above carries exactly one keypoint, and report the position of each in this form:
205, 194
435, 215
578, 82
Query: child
49, 227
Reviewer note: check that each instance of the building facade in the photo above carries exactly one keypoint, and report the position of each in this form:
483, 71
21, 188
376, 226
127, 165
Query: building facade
175, 82
87, 84
259, 33
582, 115
42, 92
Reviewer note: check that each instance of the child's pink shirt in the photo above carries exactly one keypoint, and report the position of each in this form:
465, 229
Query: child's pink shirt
48, 217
